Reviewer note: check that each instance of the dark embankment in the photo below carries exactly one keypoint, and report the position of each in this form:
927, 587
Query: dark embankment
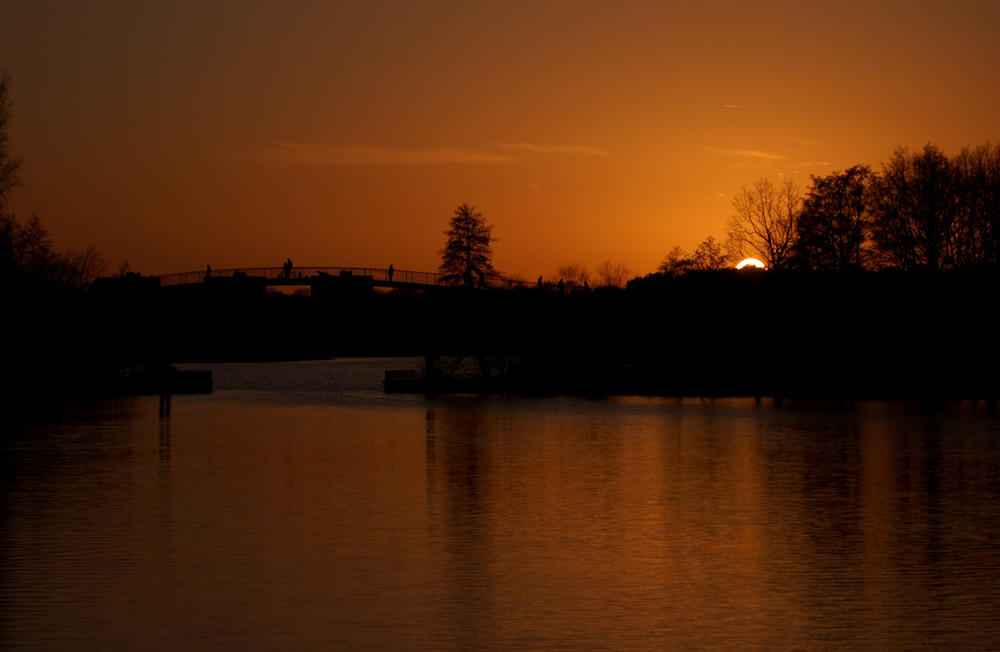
870, 335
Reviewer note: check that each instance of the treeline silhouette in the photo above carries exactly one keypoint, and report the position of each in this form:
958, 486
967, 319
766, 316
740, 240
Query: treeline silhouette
794, 334
28, 259
920, 210
851, 335
846, 335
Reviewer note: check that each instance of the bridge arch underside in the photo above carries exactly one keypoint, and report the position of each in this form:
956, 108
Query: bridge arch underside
320, 286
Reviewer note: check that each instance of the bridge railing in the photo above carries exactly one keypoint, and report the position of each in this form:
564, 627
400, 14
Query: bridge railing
303, 273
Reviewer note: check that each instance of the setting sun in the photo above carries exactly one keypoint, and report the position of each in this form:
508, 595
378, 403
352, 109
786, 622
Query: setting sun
752, 262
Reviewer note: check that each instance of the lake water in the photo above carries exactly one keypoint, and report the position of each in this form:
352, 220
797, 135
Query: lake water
300, 508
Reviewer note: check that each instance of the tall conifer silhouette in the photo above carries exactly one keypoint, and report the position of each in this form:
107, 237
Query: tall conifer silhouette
467, 257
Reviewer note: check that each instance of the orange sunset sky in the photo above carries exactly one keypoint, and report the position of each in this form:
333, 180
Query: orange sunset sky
345, 133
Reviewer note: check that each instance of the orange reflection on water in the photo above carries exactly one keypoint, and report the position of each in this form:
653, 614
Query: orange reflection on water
504, 523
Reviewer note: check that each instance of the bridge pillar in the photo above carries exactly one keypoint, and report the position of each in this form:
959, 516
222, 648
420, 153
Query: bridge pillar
431, 372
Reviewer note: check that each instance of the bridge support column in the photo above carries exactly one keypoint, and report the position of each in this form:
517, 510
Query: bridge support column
431, 368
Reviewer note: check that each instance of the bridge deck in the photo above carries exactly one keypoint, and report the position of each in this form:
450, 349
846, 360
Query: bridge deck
401, 278
302, 275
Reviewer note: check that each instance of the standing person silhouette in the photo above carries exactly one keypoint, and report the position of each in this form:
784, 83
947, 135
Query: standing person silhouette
539, 282
391, 271
208, 271
562, 287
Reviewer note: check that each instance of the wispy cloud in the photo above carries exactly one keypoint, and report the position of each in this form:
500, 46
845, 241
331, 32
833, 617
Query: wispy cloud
553, 149
810, 164
731, 106
803, 141
746, 153
320, 155
309, 155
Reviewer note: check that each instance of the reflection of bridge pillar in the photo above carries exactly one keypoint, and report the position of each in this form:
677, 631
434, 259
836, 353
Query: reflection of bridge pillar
431, 441
164, 405
164, 427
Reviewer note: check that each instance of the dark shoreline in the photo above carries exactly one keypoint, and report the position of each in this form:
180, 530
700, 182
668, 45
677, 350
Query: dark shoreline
796, 335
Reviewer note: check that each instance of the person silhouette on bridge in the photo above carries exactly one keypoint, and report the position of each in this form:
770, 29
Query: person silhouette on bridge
539, 282
391, 270
208, 271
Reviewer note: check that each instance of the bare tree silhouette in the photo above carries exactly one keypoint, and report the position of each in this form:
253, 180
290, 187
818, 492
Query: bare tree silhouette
9, 165
574, 275
27, 253
27, 250
834, 228
613, 275
708, 255
36, 247
763, 224
84, 267
676, 262
914, 210
977, 195
711, 255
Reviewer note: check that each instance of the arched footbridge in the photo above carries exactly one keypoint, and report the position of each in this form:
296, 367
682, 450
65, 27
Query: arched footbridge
278, 276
